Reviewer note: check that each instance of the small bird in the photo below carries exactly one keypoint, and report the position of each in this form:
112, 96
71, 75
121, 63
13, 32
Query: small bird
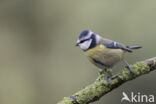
102, 52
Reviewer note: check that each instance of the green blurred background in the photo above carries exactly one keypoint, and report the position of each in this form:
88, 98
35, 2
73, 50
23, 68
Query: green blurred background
39, 63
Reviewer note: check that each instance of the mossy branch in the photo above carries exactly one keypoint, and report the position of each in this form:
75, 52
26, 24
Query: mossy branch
100, 87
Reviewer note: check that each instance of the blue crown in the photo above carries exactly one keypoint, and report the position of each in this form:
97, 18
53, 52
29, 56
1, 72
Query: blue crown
84, 33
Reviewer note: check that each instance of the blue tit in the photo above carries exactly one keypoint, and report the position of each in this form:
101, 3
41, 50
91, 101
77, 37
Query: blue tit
102, 52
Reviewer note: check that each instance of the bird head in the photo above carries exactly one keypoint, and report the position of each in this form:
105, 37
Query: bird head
87, 39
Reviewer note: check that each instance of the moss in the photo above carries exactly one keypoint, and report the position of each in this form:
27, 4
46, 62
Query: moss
100, 87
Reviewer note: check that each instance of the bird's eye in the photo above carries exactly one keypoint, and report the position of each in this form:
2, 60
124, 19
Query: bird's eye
83, 40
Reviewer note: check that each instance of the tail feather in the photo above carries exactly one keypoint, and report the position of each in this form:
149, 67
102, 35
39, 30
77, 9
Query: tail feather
134, 47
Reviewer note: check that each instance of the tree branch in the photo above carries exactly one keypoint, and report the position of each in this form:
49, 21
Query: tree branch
100, 87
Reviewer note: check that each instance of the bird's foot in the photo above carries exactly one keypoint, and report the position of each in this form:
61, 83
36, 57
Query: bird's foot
115, 77
107, 80
128, 67
105, 74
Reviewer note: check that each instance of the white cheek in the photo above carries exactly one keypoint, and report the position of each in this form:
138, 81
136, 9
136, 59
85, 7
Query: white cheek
86, 44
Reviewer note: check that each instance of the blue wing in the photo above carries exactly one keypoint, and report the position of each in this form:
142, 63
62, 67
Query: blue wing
116, 45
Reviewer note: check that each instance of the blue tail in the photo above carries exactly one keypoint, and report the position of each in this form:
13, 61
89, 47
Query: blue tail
134, 47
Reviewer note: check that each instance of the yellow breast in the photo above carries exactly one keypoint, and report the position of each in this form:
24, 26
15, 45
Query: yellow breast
106, 55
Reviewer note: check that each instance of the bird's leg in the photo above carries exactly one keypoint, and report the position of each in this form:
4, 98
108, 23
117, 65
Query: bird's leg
109, 73
128, 66
114, 77
104, 73
101, 74
107, 77
111, 76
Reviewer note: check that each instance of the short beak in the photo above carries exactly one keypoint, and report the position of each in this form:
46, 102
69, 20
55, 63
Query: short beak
77, 43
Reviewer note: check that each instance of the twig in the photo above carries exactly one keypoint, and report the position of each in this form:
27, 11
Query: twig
100, 87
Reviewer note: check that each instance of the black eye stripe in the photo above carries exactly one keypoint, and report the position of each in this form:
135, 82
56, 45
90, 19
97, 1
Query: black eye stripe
84, 40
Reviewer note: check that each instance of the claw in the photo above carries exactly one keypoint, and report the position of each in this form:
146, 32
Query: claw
107, 79
128, 66
114, 77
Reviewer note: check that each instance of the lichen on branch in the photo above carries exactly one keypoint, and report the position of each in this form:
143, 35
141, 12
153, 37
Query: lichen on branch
100, 87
